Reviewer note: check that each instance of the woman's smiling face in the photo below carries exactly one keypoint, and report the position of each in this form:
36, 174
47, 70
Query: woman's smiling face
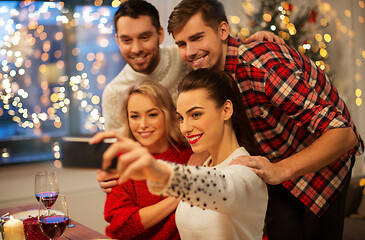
147, 122
201, 122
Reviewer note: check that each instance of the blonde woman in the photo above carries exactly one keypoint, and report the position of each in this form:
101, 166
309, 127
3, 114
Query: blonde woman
150, 119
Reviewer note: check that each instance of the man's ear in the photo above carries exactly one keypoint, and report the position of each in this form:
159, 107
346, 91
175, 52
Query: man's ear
161, 35
117, 39
223, 30
227, 109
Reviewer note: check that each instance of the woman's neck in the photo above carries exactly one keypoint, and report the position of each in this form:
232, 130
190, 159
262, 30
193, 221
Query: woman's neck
159, 148
225, 147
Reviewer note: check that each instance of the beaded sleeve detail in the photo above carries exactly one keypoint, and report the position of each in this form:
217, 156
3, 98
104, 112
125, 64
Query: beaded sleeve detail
208, 188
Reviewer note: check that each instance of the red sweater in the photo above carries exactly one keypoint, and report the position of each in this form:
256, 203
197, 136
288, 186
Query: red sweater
124, 202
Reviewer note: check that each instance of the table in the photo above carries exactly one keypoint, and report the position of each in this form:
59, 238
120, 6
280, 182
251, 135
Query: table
79, 232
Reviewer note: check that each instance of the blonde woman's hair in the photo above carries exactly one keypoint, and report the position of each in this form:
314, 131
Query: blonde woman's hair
163, 100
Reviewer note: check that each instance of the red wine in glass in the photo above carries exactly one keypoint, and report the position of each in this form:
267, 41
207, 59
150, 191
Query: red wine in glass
46, 185
53, 221
47, 198
53, 226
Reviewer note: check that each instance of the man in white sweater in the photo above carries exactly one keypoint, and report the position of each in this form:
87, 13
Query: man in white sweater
139, 35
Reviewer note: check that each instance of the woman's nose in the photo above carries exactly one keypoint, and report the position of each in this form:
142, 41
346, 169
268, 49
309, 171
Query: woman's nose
185, 127
144, 123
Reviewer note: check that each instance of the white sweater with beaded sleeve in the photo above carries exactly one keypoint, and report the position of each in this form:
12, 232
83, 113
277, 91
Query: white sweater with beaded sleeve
224, 202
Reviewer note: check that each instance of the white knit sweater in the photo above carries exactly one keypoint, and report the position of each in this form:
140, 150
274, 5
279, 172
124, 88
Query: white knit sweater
169, 72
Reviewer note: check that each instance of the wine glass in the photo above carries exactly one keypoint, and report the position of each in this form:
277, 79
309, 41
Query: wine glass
53, 221
46, 188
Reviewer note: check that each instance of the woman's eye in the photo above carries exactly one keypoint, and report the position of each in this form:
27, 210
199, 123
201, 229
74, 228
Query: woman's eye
180, 119
195, 115
153, 115
133, 116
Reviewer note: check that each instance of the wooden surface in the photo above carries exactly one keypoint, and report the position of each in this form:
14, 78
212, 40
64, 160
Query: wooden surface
78, 232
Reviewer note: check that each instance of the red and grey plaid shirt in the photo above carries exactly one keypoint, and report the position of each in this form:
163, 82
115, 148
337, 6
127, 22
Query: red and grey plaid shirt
291, 102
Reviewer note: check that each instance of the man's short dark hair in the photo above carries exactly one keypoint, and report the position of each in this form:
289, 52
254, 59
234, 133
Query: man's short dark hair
135, 9
212, 12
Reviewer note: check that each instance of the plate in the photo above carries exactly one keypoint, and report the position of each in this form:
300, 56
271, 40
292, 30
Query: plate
32, 213
25, 214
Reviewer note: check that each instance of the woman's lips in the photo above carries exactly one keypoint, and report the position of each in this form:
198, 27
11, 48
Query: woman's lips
194, 138
145, 134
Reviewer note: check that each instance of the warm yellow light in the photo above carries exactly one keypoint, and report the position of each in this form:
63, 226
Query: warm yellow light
115, 4
235, 20
32, 25
103, 42
57, 155
58, 36
286, 20
54, 97
318, 37
267, 17
60, 64
323, 22
327, 37
358, 92
245, 31
347, 13
101, 79
249, 8
79, 66
42, 68
327, 7
51, 111
100, 56
46, 46
301, 49
323, 52
358, 102
57, 124
57, 53
44, 57
75, 51
90, 57
43, 36
360, 19
40, 28
98, 3
361, 4
95, 100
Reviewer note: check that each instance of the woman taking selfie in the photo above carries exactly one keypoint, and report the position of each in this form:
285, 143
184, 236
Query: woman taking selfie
132, 211
218, 200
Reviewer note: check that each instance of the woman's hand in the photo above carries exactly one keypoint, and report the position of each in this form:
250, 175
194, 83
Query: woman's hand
264, 36
136, 162
107, 180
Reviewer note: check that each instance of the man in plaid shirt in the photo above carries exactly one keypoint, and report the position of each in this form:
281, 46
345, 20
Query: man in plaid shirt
301, 124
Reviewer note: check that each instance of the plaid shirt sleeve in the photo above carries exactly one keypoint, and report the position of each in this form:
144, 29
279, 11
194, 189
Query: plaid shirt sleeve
309, 107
